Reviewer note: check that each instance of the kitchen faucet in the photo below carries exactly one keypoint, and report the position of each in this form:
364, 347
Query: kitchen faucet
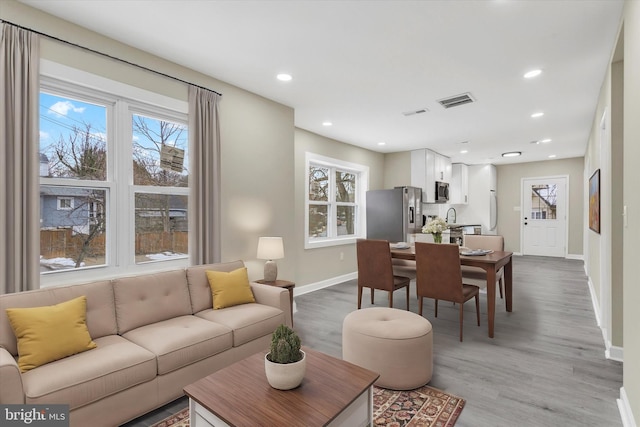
454, 215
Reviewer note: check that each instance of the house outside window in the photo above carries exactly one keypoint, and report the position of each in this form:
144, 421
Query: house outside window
335, 195
109, 155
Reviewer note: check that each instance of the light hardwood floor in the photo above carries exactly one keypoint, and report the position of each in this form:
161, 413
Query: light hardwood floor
545, 366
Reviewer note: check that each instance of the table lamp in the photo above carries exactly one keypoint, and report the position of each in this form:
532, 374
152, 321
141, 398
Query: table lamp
270, 248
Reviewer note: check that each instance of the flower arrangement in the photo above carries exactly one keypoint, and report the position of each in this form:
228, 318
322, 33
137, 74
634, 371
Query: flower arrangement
436, 226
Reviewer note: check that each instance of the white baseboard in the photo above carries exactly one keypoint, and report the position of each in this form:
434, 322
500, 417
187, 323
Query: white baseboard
614, 353
324, 284
594, 301
625, 410
575, 256
611, 352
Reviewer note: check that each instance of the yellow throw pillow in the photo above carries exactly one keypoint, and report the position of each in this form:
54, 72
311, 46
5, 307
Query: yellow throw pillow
50, 333
229, 289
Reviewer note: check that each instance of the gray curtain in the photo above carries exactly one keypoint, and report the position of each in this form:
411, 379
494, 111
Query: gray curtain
204, 178
19, 146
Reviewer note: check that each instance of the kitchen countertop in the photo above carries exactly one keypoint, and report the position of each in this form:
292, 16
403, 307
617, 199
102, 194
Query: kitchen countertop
460, 225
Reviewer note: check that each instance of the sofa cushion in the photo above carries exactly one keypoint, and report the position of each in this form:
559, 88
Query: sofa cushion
181, 341
51, 332
115, 365
150, 298
199, 288
248, 321
229, 289
101, 313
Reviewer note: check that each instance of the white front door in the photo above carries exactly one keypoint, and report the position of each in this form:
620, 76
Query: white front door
544, 216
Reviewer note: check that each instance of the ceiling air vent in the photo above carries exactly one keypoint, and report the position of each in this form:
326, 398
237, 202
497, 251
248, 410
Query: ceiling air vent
414, 112
454, 101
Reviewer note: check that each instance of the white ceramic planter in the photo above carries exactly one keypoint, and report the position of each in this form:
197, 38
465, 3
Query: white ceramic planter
285, 376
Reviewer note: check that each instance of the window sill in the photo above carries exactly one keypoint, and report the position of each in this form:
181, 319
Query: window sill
312, 244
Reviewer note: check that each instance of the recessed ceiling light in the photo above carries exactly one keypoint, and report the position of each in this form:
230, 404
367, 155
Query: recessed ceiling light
284, 77
382, 143
512, 154
327, 124
464, 151
538, 114
533, 73
552, 156
545, 141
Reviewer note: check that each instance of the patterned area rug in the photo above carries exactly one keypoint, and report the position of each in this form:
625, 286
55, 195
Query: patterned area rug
422, 407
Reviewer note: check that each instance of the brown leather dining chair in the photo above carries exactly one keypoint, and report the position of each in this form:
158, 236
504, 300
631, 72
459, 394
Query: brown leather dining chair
477, 276
375, 270
439, 277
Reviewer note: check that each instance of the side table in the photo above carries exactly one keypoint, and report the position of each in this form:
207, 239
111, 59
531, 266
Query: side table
286, 284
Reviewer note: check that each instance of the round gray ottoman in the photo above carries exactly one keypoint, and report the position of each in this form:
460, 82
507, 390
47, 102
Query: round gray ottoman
397, 344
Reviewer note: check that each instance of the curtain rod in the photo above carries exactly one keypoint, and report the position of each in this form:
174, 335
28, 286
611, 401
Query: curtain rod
107, 55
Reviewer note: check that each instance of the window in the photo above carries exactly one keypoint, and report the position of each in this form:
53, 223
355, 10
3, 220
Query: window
543, 201
113, 177
335, 201
65, 203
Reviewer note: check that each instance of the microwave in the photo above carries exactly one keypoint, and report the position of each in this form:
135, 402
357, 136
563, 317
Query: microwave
442, 192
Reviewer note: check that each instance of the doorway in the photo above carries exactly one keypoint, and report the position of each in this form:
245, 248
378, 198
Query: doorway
544, 216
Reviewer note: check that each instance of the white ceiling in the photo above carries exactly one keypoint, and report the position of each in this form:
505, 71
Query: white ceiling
361, 64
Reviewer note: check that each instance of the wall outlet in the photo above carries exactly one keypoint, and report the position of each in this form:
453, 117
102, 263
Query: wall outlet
341, 256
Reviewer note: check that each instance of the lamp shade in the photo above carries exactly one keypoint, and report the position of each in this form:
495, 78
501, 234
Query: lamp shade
270, 248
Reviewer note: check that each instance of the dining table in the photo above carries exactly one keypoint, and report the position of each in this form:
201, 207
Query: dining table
491, 263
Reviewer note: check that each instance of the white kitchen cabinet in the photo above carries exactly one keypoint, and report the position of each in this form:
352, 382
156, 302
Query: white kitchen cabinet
459, 185
427, 167
442, 165
419, 171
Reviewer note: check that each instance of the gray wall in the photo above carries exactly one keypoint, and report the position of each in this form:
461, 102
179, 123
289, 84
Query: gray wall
397, 169
611, 255
632, 201
509, 196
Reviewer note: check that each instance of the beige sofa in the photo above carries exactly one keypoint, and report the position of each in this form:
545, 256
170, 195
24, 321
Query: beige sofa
155, 334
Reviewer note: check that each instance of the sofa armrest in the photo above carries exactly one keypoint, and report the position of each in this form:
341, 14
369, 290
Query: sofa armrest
11, 391
275, 297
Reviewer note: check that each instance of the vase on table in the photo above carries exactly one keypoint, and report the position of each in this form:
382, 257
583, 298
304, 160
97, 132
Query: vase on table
437, 237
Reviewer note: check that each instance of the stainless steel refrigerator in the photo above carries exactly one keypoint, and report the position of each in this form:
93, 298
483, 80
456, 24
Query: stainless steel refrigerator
394, 214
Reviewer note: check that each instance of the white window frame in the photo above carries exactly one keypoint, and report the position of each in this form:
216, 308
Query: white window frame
362, 185
122, 101
64, 208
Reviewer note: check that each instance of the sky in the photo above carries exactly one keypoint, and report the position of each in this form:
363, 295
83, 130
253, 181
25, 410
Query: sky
59, 115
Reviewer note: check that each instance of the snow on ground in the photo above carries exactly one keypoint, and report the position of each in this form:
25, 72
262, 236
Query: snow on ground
59, 262
165, 255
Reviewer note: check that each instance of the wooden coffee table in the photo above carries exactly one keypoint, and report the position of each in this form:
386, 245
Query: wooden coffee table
333, 393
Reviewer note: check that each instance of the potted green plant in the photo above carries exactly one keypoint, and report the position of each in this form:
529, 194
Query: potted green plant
285, 364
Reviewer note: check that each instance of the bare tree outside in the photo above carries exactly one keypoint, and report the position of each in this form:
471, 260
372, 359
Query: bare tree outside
345, 193
159, 218
320, 205
150, 136
82, 155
